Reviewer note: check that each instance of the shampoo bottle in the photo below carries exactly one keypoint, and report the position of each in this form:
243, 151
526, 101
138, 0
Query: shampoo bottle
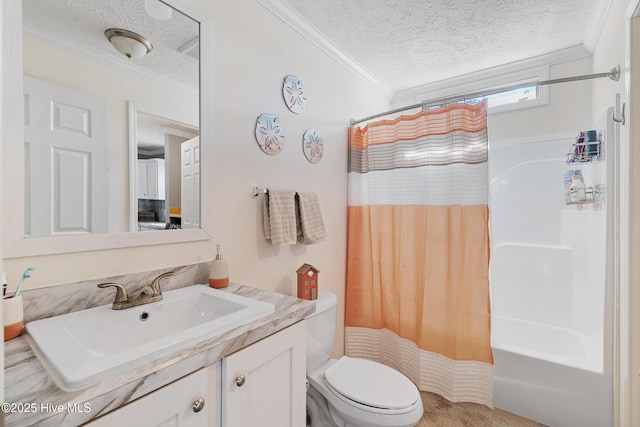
577, 191
218, 272
567, 180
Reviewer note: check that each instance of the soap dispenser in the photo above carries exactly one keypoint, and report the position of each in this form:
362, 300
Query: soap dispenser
218, 272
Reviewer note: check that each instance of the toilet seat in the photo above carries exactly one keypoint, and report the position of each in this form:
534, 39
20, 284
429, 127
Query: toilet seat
372, 384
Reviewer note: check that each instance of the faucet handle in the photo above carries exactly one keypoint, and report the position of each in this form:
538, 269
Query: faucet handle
156, 282
121, 292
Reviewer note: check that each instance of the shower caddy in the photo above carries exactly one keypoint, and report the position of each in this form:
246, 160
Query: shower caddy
583, 151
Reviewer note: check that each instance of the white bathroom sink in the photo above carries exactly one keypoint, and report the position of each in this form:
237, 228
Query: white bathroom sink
87, 346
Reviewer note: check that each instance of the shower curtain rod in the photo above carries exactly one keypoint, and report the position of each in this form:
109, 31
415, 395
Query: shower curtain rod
614, 74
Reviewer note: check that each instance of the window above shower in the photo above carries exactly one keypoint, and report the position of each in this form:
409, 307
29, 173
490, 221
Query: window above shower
523, 97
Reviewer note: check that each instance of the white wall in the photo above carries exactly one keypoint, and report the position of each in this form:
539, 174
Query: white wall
253, 52
609, 52
252, 60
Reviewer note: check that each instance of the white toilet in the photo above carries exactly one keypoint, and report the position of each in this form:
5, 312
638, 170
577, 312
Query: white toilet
352, 392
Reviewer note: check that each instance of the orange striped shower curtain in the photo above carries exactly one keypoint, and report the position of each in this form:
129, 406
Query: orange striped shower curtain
417, 294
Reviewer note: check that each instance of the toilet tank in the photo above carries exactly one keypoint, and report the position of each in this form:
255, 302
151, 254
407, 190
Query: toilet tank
321, 330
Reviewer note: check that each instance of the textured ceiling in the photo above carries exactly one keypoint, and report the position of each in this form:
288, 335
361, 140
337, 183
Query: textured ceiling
403, 43
408, 43
81, 23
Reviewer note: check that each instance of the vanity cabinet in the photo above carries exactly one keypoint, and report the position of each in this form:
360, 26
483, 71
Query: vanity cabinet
264, 383
187, 402
261, 385
151, 183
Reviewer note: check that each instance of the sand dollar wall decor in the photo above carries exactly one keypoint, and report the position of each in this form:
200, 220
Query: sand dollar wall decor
269, 134
293, 93
312, 145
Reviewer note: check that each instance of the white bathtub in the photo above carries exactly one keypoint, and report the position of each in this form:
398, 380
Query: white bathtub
547, 374
556, 345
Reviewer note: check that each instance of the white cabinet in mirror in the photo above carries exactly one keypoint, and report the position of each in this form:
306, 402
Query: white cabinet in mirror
151, 179
73, 75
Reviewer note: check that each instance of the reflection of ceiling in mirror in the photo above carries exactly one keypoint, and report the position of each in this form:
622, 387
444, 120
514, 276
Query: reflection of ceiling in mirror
81, 23
152, 130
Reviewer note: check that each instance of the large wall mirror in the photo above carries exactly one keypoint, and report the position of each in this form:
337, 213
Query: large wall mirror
112, 102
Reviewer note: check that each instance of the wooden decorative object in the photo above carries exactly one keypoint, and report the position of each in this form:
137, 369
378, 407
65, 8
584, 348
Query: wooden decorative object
307, 282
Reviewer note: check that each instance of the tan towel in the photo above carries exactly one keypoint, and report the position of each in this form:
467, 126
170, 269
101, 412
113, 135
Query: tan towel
310, 217
279, 217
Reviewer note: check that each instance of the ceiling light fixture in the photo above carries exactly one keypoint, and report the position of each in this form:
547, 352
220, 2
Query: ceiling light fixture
128, 43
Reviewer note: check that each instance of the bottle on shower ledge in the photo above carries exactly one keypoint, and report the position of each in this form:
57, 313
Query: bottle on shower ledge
577, 190
218, 271
567, 179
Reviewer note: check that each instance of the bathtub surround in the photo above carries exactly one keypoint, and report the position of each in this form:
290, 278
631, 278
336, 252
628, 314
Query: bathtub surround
549, 284
26, 380
418, 249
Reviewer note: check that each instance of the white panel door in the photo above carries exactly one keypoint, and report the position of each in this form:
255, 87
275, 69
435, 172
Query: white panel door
66, 179
190, 186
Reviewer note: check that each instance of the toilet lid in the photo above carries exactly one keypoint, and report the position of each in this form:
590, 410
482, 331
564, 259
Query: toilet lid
371, 383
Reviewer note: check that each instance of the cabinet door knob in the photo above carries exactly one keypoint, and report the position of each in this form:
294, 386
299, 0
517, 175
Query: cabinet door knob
240, 380
198, 405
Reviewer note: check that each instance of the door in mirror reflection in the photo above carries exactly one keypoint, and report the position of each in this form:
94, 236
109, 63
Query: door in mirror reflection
190, 183
65, 161
166, 184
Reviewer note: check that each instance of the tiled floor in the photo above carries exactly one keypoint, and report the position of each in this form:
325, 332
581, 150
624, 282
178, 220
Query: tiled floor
439, 412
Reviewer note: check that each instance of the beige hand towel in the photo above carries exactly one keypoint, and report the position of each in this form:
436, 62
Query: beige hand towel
310, 219
266, 220
279, 217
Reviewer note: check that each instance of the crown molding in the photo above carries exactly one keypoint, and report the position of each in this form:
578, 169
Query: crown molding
69, 45
596, 24
307, 30
557, 57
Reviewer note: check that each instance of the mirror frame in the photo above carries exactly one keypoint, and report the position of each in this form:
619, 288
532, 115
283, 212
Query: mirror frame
15, 245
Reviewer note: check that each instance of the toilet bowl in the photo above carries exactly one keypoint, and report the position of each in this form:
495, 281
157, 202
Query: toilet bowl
352, 392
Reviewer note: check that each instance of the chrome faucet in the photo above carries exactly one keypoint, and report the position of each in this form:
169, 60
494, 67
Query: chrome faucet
150, 293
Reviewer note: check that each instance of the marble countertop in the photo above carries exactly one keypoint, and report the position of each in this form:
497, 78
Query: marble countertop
27, 382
